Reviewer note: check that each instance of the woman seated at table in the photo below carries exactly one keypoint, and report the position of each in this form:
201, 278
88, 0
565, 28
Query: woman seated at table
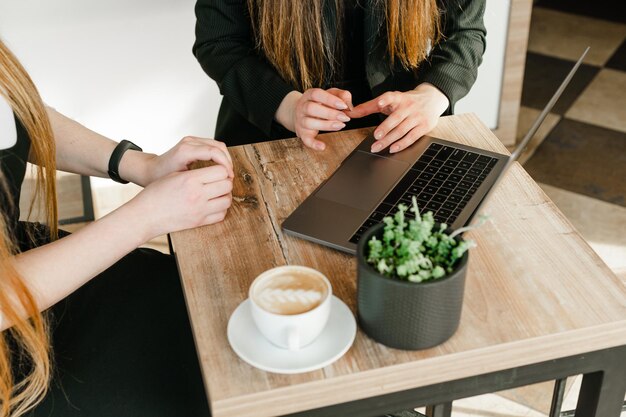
288, 66
115, 338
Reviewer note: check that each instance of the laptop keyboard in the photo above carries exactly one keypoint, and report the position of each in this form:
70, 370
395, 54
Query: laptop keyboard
443, 180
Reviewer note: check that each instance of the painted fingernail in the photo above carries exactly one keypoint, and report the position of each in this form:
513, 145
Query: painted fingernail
376, 147
341, 105
338, 125
378, 135
343, 118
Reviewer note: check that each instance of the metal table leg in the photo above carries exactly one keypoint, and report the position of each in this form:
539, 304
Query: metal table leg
557, 397
602, 393
439, 410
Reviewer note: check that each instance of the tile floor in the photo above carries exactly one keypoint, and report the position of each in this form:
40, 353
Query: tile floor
578, 156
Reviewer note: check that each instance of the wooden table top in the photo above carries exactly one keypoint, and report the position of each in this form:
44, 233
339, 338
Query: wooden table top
535, 290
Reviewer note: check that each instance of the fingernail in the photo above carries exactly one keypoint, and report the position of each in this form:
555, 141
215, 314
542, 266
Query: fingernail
378, 135
376, 147
381, 103
338, 125
320, 146
341, 105
394, 149
342, 117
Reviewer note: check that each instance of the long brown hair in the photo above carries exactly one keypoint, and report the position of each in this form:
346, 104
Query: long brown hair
291, 34
25, 345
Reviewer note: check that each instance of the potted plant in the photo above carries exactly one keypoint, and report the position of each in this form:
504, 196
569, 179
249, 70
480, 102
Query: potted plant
411, 278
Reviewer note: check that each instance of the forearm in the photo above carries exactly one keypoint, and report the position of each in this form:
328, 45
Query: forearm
224, 49
55, 270
83, 151
453, 63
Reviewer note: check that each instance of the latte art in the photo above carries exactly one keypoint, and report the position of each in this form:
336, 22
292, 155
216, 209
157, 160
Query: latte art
290, 293
281, 296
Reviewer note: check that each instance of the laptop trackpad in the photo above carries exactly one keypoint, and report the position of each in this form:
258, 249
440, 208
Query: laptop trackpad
362, 180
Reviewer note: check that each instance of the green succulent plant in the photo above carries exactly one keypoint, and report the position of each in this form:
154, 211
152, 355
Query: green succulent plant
414, 249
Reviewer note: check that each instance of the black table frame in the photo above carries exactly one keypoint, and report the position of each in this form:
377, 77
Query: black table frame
601, 393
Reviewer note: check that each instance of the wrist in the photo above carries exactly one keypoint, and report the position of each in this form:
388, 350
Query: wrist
136, 167
285, 112
133, 215
129, 224
441, 100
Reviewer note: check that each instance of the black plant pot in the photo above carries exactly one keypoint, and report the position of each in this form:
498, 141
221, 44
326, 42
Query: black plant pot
403, 314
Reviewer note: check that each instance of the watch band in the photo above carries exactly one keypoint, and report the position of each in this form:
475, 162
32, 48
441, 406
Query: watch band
116, 157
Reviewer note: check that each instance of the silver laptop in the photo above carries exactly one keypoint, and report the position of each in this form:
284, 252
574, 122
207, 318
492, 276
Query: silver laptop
449, 179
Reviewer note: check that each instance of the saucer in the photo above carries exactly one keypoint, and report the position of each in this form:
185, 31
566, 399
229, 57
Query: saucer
252, 347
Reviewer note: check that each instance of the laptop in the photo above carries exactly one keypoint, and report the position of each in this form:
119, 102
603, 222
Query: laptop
449, 179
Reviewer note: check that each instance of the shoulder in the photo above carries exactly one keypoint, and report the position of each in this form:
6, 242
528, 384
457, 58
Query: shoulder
8, 130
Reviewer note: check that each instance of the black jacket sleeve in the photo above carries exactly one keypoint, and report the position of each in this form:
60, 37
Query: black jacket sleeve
454, 61
225, 49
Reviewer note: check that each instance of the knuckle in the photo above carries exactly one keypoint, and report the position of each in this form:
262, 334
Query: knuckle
229, 186
393, 119
317, 94
388, 95
221, 171
414, 119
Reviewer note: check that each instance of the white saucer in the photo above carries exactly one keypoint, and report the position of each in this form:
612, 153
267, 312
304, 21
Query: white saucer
252, 347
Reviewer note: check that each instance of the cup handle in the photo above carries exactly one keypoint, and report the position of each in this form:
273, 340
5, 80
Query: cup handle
293, 339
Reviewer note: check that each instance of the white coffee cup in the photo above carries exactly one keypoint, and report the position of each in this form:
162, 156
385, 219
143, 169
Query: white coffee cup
290, 305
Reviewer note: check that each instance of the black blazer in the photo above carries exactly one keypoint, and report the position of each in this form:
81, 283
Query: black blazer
253, 90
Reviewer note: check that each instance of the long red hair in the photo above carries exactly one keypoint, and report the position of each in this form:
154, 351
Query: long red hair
290, 33
25, 345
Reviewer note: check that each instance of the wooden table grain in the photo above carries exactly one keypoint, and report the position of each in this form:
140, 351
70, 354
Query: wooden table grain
535, 290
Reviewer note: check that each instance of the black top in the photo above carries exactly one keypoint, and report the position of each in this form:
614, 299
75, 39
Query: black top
351, 62
253, 89
350, 72
13, 167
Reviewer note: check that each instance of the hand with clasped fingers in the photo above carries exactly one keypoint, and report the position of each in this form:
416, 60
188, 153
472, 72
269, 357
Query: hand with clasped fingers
410, 115
176, 197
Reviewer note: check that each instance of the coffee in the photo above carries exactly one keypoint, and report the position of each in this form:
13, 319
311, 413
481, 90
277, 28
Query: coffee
290, 292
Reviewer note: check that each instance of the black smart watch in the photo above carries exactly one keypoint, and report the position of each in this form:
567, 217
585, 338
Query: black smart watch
116, 157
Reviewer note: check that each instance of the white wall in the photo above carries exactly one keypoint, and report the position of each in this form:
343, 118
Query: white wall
122, 68
484, 99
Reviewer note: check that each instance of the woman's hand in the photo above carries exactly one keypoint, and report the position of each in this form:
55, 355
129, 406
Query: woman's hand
144, 168
313, 111
183, 200
411, 115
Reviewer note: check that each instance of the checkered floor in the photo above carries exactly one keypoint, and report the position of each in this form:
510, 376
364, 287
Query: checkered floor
583, 148
579, 155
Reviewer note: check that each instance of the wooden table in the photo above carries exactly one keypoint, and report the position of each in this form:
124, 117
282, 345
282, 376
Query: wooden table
539, 303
